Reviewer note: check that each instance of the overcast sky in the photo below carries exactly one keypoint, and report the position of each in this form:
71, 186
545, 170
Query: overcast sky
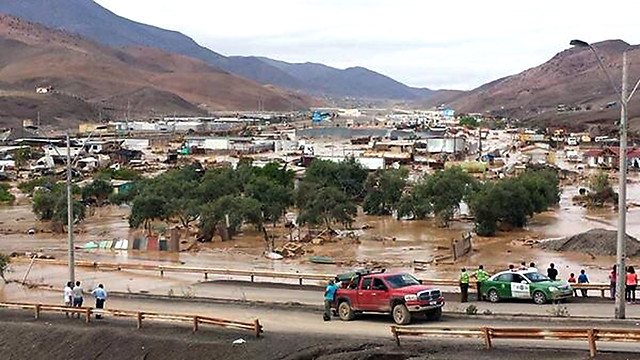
453, 44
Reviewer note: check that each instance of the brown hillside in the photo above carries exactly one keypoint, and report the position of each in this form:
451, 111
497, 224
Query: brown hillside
142, 81
571, 78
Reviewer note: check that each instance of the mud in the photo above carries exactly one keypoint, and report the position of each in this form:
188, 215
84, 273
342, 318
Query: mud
596, 241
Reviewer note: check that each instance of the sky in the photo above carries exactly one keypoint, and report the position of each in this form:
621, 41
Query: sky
452, 44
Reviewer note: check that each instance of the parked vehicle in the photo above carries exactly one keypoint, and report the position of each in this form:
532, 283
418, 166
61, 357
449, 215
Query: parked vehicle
525, 285
401, 295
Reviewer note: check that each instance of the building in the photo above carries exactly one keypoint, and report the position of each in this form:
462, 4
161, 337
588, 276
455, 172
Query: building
608, 158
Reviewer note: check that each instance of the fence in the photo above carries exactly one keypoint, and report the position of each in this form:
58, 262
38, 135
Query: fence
488, 334
253, 274
196, 320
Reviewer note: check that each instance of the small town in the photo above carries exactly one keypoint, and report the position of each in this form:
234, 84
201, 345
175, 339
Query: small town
163, 201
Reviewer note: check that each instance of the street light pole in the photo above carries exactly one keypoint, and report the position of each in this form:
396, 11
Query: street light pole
72, 275
621, 243
622, 198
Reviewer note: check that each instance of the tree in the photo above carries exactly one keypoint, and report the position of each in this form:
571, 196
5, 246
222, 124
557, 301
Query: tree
52, 205
238, 209
326, 205
98, 191
445, 191
273, 197
469, 121
348, 176
6, 197
4, 265
415, 204
601, 193
22, 157
384, 191
146, 208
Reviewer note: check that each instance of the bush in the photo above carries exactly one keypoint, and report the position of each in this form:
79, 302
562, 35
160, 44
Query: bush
4, 265
5, 195
44, 181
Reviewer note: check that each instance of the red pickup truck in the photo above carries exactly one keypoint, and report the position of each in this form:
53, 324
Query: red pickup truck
400, 294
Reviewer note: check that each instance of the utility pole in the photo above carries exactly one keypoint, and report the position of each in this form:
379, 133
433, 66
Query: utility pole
621, 252
72, 275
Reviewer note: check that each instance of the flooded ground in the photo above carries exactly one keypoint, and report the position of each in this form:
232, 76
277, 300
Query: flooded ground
386, 241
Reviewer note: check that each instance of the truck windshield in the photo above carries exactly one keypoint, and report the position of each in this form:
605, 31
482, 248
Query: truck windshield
400, 281
536, 277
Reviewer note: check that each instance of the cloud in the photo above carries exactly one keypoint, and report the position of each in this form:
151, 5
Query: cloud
437, 44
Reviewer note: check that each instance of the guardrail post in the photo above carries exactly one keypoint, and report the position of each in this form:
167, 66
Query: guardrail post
395, 335
139, 319
206, 277
37, 310
195, 324
87, 314
592, 342
486, 332
252, 277
161, 273
300, 280
258, 327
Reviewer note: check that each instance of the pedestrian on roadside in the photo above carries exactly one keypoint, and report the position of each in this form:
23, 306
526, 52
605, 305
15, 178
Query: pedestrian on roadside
532, 267
523, 266
512, 268
78, 296
481, 276
613, 277
583, 279
552, 272
632, 284
572, 280
68, 296
329, 297
464, 286
101, 296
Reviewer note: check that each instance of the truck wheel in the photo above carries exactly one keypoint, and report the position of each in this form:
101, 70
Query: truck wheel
434, 315
493, 296
345, 311
539, 298
401, 314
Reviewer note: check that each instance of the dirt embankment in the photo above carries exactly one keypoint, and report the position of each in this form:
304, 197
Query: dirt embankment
54, 337
594, 242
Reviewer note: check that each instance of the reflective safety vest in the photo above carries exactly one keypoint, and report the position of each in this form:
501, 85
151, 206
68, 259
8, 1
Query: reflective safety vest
464, 278
481, 275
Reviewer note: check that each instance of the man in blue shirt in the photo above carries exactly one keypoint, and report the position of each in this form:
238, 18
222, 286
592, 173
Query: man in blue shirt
101, 296
583, 279
329, 297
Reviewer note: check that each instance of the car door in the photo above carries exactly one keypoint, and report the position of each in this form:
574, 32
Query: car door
502, 283
365, 294
380, 296
520, 288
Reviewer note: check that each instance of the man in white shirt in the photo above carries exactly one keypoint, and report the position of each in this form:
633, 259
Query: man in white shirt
532, 268
68, 296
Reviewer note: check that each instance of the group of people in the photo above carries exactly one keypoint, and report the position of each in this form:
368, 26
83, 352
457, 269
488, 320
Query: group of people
74, 296
480, 275
631, 283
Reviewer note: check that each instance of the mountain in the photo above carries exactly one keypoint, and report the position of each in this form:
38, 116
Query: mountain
571, 79
85, 17
91, 80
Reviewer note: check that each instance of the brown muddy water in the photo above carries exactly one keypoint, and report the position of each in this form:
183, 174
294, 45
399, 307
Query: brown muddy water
389, 242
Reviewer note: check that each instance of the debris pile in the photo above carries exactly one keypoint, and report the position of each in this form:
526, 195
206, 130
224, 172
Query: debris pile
596, 241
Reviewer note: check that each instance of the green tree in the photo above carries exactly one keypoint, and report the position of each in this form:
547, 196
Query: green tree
22, 157
347, 176
274, 198
27, 187
98, 191
6, 197
469, 121
146, 208
384, 190
324, 206
446, 190
416, 203
238, 209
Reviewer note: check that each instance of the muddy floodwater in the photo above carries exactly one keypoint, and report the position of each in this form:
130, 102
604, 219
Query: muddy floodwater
383, 241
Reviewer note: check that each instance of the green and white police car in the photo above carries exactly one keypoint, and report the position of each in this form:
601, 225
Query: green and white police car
525, 284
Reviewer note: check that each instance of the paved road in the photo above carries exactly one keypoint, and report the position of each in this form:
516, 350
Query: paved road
296, 321
229, 288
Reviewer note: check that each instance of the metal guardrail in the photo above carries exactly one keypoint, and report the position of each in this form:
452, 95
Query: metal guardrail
253, 274
488, 334
196, 320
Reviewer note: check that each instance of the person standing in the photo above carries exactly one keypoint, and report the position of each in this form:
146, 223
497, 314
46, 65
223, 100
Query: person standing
552, 272
101, 296
632, 284
78, 296
68, 296
523, 266
583, 279
464, 286
572, 280
532, 267
329, 297
613, 277
480, 276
